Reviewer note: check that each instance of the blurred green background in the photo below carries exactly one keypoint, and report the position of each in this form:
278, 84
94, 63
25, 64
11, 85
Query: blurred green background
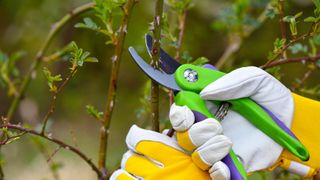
25, 23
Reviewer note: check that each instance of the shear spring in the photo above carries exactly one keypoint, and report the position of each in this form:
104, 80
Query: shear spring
222, 111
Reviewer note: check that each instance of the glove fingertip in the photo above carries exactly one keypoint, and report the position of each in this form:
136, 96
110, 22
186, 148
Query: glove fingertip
121, 174
220, 171
181, 117
125, 158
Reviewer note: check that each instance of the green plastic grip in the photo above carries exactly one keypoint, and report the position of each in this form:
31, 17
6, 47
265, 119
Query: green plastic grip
244, 106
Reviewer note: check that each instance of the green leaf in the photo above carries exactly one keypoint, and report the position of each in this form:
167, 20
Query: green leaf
88, 24
200, 61
186, 56
271, 13
51, 79
298, 47
92, 111
79, 56
91, 59
56, 166
310, 19
316, 39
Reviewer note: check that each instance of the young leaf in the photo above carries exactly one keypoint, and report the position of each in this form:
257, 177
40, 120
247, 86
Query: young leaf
271, 13
51, 79
200, 61
92, 111
310, 19
79, 56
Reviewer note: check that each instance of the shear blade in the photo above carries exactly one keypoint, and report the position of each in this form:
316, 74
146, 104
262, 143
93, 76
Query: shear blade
162, 78
167, 63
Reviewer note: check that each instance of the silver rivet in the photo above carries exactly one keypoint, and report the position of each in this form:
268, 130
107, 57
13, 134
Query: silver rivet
190, 75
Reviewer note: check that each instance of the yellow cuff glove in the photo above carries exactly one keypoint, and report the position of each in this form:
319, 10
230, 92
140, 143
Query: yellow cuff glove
153, 155
306, 126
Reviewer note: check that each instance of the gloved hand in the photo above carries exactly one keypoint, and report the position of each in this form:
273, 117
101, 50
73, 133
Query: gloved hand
153, 155
256, 150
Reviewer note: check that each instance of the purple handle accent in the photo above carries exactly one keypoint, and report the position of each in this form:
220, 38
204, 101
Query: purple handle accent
280, 123
199, 116
209, 66
235, 174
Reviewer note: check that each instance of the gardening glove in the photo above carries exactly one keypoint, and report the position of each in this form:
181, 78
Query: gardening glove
153, 155
254, 149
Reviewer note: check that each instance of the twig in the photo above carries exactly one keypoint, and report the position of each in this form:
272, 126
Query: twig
53, 153
235, 42
104, 131
303, 80
182, 22
54, 30
302, 37
7, 139
291, 60
56, 141
54, 98
58, 54
281, 16
282, 24
155, 63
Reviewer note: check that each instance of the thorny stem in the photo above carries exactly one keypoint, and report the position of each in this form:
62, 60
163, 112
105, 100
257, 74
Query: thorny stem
155, 63
56, 141
235, 41
104, 131
291, 60
54, 30
54, 98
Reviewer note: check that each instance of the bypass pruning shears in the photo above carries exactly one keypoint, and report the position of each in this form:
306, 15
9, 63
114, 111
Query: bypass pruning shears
187, 80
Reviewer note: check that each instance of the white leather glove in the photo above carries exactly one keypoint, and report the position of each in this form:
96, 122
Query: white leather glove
153, 155
256, 150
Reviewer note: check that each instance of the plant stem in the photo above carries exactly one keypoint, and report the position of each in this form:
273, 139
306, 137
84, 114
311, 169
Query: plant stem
37, 60
303, 80
54, 98
182, 22
54, 30
155, 63
291, 60
104, 131
56, 141
58, 54
282, 24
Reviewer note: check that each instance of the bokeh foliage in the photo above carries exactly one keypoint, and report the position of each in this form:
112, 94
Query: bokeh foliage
211, 27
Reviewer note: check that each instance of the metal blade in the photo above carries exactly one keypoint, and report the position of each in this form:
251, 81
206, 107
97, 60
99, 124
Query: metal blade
162, 78
167, 63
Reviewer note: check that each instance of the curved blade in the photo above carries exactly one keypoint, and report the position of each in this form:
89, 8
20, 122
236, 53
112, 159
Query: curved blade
164, 79
167, 63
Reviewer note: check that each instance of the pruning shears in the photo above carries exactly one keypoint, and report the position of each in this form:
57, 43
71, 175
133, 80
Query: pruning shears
187, 80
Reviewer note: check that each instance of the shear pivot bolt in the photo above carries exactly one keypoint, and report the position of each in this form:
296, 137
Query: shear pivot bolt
190, 75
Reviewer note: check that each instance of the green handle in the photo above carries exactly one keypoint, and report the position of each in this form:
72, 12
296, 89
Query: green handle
245, 106
197, 105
